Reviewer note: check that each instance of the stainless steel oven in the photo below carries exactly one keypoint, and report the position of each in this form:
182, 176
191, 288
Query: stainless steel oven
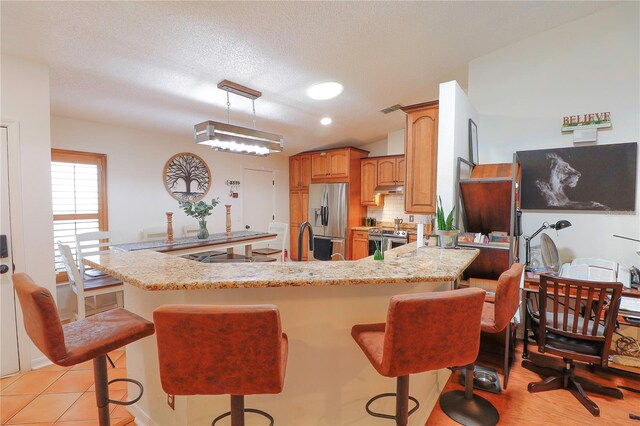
392, 239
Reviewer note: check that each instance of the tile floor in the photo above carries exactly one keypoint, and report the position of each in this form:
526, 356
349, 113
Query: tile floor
61, 396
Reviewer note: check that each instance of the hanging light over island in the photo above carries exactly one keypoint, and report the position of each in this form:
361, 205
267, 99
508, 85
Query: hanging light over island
231, 138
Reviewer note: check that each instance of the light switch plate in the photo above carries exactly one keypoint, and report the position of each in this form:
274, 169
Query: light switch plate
411, 218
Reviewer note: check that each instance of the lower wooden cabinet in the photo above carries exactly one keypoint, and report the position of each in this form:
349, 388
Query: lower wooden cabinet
298, 213
359, 245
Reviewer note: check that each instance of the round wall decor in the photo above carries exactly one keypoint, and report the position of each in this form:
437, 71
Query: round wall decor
187, 177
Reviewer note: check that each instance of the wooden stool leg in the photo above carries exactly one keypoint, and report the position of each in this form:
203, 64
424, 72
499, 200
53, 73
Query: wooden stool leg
402, 401
101, 380
237, 410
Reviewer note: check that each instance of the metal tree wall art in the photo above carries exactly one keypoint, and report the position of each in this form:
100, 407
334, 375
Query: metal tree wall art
187, 177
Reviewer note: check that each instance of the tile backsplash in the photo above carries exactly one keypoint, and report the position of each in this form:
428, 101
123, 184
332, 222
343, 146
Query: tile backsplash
394, 207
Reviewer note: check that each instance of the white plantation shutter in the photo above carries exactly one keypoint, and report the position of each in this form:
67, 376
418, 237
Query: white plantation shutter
78, 198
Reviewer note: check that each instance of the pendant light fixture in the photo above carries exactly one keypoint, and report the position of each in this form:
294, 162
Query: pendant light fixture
230, 138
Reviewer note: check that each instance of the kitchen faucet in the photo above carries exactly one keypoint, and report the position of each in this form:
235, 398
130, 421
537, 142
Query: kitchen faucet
300, 234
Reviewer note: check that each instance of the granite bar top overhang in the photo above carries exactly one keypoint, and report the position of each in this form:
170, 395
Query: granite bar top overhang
150, 270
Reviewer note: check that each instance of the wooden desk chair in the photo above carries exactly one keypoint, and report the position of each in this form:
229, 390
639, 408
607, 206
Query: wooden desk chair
575, 321
277, 246
84, 287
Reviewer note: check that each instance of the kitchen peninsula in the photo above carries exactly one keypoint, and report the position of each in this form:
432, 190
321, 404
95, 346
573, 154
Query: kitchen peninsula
328, 380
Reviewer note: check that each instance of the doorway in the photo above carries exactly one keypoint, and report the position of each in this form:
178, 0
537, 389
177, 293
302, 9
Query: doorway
258, 199
9, 360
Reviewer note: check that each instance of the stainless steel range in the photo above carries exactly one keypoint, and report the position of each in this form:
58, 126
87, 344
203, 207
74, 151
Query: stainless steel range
392, 238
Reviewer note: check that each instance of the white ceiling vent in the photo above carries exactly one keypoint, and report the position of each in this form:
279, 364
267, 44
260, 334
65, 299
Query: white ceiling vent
391, 109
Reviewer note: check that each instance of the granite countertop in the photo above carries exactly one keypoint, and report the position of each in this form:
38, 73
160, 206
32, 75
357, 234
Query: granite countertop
410, 230
151, 270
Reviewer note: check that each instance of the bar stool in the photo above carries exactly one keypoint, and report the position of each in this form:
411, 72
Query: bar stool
498, 314
424, 332
80, 341
221, 350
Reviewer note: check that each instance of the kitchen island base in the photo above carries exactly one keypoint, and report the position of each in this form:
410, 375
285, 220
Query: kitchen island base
328, 379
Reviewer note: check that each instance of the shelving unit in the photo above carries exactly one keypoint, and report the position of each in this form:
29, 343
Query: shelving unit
487, 200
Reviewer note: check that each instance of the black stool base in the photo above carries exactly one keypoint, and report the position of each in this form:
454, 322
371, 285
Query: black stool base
389, 416
476, 411
246, 410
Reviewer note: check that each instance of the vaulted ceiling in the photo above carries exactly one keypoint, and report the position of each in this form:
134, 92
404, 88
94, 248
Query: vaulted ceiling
155, 65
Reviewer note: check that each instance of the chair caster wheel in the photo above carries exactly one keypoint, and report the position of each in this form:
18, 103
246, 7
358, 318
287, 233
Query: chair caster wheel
525, 356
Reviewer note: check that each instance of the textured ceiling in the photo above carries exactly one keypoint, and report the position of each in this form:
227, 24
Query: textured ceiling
155, 65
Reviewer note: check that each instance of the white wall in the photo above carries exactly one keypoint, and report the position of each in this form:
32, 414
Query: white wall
137, 197
522, 92
395, 142
136, 194
25, 107
376, 149
455, 110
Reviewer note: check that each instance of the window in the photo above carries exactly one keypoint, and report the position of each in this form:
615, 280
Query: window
79, 198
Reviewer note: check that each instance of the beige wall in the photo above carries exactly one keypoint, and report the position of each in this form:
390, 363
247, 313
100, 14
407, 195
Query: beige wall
25, 108
137, 197
522, 92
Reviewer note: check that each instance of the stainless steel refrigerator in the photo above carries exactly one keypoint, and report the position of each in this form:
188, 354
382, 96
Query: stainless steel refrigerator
328, 213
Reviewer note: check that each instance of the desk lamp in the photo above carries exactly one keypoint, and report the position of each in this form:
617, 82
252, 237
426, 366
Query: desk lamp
561, 224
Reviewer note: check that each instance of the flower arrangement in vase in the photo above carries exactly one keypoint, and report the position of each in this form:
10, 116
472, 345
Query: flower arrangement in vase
200, 210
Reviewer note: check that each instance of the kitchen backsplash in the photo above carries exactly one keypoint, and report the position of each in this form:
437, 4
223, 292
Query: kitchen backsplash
394, 207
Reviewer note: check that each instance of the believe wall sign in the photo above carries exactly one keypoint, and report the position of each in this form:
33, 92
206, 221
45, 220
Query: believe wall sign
585, 127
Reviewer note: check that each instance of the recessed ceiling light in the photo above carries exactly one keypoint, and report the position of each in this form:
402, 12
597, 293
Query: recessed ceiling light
327, 90
326, 121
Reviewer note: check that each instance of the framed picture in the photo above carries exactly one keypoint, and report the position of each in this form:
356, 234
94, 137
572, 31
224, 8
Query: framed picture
600, 177
473, 142
187, 177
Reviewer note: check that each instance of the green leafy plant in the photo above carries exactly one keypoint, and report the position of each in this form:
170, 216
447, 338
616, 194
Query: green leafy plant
200, 210
444, 224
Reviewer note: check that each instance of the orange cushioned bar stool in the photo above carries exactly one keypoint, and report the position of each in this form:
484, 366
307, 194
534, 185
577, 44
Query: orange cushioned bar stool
423, 332
221, 350
497, 315
79, 341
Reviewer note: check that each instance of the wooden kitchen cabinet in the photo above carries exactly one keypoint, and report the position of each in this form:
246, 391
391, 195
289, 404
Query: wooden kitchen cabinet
298, 214
320, 166
330, 164
299, 172
368, 181
386, 171
401, 170
359, 245
421, 153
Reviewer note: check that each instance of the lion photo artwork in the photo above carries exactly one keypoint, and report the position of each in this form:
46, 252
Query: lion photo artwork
580, 178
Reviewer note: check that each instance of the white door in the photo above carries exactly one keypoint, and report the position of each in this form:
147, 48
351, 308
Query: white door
258, 199
9, 348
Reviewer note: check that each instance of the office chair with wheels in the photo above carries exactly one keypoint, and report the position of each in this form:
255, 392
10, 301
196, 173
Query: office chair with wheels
575, 320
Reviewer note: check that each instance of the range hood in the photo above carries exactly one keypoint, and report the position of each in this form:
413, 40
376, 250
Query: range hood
389, 189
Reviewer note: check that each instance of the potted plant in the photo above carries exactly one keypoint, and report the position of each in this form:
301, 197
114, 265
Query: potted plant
200, 210
447, 233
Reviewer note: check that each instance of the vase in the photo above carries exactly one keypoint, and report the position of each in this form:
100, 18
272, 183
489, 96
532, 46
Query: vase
378, 255
203, 232
448, 239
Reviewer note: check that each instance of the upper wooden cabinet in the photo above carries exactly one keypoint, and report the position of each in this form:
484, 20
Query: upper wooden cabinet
334, 164
421, 153
368, 181
379, 171
299, 171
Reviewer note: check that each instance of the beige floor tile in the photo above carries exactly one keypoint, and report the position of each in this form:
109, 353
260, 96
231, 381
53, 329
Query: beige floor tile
85, 407
53, 367
33, 382
116, 355
11, 404
87, 365
121, 362
115, 373
72, 381
45, 408
6, 381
